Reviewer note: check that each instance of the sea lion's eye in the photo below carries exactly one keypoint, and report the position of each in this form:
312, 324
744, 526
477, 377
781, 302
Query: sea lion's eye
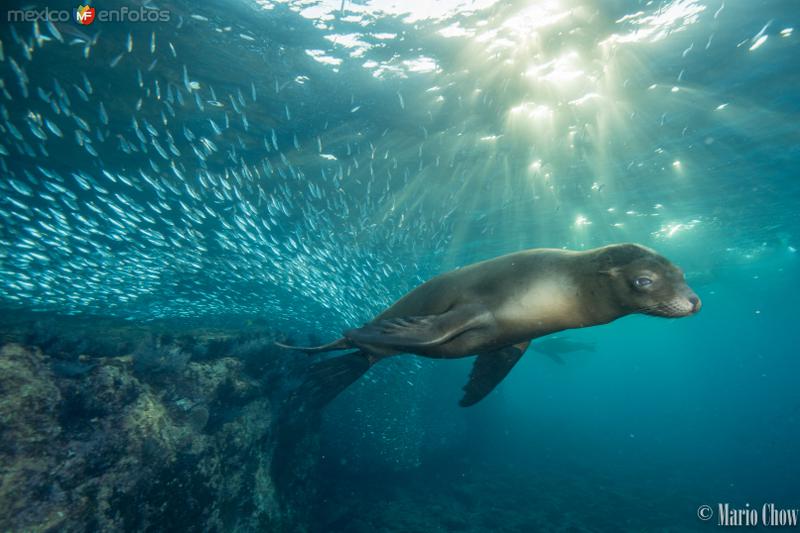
642, 282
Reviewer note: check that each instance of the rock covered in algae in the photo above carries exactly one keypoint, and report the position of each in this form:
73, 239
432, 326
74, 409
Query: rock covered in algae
162, 433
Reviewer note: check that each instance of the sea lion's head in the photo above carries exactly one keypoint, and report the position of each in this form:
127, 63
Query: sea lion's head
645, 282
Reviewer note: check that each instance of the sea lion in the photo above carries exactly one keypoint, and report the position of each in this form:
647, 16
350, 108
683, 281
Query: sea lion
493, 309
555, 347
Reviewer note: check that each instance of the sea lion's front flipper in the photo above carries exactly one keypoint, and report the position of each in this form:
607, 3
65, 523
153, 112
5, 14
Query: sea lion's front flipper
421, 331
489, 370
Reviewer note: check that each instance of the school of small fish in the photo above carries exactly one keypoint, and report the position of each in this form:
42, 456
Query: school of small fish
134, 187
218, 164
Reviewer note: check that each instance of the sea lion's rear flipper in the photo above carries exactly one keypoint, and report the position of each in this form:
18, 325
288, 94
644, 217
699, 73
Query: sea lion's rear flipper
489, 370
421, 331
326, 379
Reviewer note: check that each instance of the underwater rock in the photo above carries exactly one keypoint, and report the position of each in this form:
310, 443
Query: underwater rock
152, 356
28, 400
149, 440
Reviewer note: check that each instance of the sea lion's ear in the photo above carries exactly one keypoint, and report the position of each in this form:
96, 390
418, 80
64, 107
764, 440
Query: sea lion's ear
611, 272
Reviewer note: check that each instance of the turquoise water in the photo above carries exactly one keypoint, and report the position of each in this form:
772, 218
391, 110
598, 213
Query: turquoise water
308, 163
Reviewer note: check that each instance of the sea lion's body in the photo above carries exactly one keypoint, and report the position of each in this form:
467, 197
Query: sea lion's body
494, 308
526, 295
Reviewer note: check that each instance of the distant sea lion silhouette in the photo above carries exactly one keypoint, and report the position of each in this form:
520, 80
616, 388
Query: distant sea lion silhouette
555, 347
493, 309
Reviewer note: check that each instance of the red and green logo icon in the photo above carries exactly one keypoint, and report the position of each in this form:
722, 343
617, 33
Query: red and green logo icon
84, 15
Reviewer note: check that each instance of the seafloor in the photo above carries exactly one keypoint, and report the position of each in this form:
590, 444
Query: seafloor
479, 498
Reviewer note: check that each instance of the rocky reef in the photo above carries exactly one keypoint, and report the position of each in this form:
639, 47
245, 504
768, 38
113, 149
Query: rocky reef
112, 426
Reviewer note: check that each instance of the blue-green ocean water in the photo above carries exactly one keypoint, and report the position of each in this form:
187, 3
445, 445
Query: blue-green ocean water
309, 162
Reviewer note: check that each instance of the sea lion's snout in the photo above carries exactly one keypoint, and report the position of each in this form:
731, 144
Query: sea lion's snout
696, 303
687, 303
680, 304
